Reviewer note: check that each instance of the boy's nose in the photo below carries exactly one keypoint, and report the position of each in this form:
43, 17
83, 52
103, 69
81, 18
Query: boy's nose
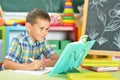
45, 32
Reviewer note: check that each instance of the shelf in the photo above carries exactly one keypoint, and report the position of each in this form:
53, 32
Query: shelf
67, 32
56, 28
60, 28
66, 28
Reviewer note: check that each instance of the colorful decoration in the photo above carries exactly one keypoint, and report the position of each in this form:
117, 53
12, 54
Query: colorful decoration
55, 20
15, 22
1, 21
68, 17
1, 17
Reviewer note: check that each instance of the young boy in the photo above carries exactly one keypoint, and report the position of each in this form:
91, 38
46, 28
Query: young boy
31, 44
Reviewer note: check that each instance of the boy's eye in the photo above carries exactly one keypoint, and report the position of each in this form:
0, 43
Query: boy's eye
41, 28
47, 28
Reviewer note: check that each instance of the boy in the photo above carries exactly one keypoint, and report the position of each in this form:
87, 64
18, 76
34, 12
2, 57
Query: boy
31, 44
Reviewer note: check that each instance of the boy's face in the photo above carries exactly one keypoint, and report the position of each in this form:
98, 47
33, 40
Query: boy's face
39, 30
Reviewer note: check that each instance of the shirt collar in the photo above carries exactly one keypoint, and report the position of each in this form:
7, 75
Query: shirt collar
32, 43
29, 39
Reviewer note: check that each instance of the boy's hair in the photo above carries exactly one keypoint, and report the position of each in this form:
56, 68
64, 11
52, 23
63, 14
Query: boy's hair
37, 13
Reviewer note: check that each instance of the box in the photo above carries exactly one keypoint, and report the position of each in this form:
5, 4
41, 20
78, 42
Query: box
63, 43
54, 44
12, 31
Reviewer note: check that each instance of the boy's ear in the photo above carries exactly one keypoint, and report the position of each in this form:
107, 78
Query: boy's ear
28, 26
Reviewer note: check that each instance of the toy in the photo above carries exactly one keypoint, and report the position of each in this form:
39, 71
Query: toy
55, 20
1, 21
68, 17
1, 17
80, 9
14, 22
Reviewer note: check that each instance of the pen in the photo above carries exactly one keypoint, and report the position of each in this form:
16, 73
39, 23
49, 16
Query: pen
31, 59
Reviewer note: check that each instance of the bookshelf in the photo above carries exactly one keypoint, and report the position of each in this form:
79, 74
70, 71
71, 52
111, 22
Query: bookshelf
3, 36
69, 33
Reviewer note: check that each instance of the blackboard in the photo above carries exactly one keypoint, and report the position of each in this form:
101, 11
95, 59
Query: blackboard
101, 22
27, 5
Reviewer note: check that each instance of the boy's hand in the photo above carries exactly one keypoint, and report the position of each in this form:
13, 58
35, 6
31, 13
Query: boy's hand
36, 65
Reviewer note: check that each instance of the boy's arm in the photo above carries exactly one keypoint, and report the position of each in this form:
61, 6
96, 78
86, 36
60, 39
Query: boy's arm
8, 64
35, 65
12, 56
52, 61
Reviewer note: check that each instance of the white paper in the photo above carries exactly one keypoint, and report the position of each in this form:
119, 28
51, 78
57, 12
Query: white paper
36, 72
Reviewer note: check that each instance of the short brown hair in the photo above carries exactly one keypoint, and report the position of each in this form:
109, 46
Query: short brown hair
37, 13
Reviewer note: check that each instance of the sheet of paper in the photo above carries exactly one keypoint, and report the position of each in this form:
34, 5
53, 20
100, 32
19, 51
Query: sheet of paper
37, 72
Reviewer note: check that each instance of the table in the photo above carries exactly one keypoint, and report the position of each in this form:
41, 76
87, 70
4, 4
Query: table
9, 74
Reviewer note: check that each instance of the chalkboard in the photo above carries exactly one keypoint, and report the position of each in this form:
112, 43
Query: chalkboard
101, 22
27, 5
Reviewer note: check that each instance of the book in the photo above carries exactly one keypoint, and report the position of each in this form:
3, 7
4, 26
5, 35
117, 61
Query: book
101, 69
76, 53
98, 63
83, 38
90, 76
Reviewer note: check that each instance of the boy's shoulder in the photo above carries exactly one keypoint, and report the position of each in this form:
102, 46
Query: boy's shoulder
22, 36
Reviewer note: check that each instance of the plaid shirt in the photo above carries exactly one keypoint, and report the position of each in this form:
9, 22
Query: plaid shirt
22, 48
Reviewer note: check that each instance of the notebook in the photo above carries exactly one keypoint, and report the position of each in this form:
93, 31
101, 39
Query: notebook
34, 72
72, 56
90, 76
98, 63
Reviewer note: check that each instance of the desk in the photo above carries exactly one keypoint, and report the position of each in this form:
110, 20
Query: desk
8, 74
